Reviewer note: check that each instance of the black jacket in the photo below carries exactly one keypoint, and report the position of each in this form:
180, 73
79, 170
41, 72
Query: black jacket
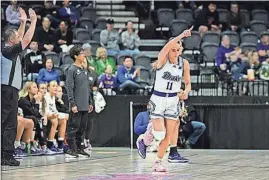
30, 109
61, 107
34, 62
207, 18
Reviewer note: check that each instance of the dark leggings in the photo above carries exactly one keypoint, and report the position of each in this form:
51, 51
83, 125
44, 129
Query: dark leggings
91, 117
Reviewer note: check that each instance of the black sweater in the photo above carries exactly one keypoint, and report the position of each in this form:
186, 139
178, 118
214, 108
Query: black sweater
68, 37
207, 18
29, 108
61, 107
34, 62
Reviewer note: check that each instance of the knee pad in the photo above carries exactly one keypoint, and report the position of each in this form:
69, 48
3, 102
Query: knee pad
158, 135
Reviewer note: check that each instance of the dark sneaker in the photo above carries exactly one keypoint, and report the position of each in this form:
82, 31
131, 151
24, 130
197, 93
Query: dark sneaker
83, 153
35, 151
55, 150
19, 153
71, 154
176, 158
10, 162
141, 147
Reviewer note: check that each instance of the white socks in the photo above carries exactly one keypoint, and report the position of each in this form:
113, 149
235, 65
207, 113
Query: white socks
17, 144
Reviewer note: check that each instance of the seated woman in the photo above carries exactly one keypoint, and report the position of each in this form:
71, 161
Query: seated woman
24, 133
48, 73
253, 63
29, 101
56, 118
102, 60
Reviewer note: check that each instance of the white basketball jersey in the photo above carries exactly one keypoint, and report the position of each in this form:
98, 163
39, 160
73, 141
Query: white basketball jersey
168, 78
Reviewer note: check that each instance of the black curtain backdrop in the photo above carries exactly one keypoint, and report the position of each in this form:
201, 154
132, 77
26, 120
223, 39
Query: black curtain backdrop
229, 124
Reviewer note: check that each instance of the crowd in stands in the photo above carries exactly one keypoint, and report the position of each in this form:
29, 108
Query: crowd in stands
61, 27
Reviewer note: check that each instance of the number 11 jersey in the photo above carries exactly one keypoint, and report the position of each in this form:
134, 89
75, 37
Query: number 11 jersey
169, 77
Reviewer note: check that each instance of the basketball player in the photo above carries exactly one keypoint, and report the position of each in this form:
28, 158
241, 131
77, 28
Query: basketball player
164, 110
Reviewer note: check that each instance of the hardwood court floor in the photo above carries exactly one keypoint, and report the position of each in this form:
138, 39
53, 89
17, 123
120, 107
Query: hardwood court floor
124, 164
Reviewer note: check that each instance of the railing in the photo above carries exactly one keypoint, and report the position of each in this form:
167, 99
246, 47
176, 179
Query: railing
211, 86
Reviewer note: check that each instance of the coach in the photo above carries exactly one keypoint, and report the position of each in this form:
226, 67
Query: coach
11, 81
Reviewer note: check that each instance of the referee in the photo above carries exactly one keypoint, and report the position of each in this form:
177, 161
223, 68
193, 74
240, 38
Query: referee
11, 81
77, 83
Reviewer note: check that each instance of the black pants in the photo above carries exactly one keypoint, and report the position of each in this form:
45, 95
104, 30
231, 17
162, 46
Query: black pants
9, 112
76, 128
91, 117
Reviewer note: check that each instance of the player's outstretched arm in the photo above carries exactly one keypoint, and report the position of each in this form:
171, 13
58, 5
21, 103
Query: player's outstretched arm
163, 53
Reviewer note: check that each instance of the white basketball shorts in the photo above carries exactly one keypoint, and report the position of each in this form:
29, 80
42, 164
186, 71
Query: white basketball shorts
164, 107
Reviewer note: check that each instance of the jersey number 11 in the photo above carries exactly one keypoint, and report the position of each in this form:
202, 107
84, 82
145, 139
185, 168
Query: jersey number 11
169, 86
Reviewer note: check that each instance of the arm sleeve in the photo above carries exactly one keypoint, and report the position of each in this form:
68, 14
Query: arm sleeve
218, 57
124, 39
139, 128
103, 38
11, 52
28, 109
70, 87
10, 18
40, 77
137, 41
121, 76
70, 38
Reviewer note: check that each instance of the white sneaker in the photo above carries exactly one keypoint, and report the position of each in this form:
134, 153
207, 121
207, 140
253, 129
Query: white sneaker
158, 167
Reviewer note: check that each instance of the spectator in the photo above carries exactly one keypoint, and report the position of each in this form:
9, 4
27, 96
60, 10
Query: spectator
253, 63
222, 54
130, 40
87, 51
108, 82
237, 67
57, 119
186, 4
208, 20
33, 61
60, 105
50, 12
109, 38
193, 126
46, 37
127, 75
235, 21
13, 14
264, 70
24, 133
68, 13
141, 122
64, 37
48, 73
29, 100
263, 47
102, 61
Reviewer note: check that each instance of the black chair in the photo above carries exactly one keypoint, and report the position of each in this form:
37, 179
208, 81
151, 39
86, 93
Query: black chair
165, 16
177, 27
100, 24
233, 37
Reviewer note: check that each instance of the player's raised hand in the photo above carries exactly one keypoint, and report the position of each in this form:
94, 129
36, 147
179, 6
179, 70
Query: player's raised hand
32, 15
23, 16
187, 33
